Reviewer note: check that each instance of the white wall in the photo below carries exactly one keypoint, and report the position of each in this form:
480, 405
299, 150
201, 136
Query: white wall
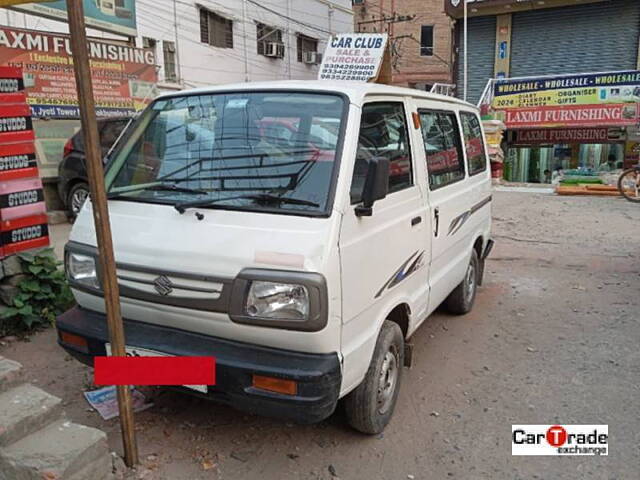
201, 64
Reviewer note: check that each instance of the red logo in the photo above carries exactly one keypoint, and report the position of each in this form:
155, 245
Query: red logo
556, 436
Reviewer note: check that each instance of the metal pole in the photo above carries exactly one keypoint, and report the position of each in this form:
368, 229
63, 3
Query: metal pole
175, 29
466, 64
244, 37
106, 257
288, 40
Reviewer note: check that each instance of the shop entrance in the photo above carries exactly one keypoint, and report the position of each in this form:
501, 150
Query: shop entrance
536, 164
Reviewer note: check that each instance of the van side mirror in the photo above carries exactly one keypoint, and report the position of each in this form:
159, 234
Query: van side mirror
376, 185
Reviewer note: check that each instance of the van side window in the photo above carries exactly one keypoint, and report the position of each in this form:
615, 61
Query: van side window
441, 136
383, 133
473, 143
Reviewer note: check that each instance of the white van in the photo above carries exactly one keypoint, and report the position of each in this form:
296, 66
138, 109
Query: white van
299, 232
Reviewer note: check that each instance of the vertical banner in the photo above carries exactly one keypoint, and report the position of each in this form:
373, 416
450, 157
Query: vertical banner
23, 219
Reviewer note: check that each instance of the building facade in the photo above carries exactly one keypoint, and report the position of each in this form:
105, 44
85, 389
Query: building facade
420, 34
180, 44
563, 75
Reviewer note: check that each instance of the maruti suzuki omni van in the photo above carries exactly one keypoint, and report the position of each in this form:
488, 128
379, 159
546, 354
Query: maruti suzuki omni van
299, 232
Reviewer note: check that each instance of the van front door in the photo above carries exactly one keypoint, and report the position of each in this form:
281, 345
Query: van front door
384, 257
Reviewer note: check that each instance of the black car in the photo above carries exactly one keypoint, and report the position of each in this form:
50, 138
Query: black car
72, 172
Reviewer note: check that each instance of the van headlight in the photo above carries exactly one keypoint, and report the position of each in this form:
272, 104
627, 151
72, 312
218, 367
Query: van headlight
279, 299
81, 270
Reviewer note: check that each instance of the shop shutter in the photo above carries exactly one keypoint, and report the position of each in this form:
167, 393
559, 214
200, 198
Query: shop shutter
595, 37
482, 39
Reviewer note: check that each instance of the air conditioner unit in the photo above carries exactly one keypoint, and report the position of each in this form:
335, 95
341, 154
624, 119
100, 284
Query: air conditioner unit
311, 58
274, 49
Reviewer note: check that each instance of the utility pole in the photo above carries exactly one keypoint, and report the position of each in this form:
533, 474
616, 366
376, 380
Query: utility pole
75, 12
466, 56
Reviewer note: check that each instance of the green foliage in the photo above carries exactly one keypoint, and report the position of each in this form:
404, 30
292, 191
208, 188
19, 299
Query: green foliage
43, 294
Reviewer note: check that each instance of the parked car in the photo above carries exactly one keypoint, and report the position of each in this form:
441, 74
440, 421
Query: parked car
72, 172
303, 276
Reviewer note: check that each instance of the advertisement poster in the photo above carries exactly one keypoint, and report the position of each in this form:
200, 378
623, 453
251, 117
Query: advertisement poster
572, 116
117, 16
121, 74
589, 89
353, 56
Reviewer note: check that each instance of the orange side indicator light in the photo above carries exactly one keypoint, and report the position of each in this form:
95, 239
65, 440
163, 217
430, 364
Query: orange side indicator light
277, 385
75, 340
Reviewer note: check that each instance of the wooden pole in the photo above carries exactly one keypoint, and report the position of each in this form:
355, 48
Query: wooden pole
106, 257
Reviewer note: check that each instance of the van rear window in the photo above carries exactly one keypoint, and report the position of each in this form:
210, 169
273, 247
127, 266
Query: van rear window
473, 143
441, 136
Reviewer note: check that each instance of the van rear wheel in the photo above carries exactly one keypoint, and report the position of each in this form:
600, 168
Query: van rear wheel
460, 301
370, 406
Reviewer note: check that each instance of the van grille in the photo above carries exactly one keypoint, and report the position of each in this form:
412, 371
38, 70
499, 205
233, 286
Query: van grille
179, 289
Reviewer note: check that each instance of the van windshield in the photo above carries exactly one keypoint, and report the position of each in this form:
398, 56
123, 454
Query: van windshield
247, 150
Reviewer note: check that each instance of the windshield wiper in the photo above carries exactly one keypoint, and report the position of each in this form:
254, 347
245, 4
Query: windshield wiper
263, 198
161, 187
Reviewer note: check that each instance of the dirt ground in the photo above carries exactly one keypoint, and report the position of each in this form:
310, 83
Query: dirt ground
554, 338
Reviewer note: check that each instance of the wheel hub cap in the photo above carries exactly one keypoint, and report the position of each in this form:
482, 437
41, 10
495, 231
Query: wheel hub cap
387, 381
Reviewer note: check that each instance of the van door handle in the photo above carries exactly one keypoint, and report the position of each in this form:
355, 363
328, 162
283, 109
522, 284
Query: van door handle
436, 218
415, 221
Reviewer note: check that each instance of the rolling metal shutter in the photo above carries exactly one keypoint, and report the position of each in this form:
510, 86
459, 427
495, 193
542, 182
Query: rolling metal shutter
596, 37
482, 39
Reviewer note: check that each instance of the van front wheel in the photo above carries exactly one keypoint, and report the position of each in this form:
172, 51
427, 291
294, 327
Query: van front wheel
460, 301
369, 407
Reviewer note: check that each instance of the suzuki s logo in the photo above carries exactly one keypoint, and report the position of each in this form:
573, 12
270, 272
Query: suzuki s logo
163, 285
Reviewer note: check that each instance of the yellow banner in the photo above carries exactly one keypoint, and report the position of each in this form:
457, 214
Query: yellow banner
568, 96
10, 3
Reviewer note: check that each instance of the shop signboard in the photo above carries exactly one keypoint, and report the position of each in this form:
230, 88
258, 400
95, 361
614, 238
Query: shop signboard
353, 57
123, 77
117, 16
589, 89
554, 136
572, 116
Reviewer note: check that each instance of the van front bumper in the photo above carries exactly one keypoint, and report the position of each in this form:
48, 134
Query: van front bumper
318, 376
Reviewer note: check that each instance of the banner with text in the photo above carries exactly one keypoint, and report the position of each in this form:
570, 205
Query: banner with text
353, 56
587, 89
606, 115
118, 16
124, 78
553, 136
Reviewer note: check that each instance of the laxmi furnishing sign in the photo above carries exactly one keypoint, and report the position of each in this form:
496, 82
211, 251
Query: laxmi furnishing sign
118, 71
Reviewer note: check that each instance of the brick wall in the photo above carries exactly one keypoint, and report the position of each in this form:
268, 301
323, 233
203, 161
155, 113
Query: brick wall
410, 67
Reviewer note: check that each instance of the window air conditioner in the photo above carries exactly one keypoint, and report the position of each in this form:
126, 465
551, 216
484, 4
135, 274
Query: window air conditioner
274, 49
311, 58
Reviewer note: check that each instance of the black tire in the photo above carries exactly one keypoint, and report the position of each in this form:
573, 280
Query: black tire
460, 301
621, 181
74, 198
369, 407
